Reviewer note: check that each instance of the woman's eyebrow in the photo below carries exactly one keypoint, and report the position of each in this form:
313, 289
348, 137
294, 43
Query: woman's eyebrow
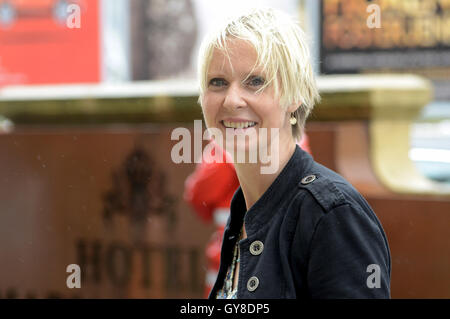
215, 75
252, 75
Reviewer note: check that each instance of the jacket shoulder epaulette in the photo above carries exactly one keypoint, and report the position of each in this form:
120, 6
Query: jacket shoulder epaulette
324, 190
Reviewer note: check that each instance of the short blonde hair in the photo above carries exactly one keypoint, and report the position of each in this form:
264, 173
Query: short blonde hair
283, 54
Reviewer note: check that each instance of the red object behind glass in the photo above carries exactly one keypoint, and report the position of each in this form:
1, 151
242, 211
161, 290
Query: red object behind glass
39, 46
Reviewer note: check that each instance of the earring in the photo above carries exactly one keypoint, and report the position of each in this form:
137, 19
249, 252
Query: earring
293, 120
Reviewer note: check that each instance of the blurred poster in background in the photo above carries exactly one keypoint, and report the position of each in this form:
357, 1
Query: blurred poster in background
49, 42
166, 34
412, 36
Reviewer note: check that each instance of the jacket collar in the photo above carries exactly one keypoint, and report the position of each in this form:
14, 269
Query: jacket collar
262, 211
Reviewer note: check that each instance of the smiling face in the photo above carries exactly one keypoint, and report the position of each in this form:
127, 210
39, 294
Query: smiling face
232, 102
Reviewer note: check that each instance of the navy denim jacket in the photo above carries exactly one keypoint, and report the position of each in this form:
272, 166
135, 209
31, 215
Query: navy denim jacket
311, 235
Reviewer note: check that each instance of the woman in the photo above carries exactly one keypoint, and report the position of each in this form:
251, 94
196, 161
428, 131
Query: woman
300, 231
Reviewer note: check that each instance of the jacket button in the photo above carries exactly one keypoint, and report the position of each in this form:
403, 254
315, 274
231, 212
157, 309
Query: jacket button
252, 283
256, 248
308, 179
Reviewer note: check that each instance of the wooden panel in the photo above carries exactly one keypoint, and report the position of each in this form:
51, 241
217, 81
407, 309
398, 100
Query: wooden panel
108, 199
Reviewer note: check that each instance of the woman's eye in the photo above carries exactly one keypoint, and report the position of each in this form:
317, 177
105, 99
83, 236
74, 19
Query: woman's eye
217, 82
256, 81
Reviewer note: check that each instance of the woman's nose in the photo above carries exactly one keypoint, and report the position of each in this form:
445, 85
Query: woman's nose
234, 97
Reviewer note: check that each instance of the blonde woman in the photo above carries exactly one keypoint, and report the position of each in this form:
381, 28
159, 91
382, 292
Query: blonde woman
301, 230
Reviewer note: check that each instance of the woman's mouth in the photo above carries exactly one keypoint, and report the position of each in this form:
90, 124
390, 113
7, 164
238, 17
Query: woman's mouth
238, 125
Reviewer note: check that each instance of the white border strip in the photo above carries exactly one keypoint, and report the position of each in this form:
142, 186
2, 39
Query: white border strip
94, 91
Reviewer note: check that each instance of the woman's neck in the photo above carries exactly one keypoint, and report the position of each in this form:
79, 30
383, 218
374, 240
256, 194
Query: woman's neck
253, 182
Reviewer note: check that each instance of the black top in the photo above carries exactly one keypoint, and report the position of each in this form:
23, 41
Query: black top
310, 235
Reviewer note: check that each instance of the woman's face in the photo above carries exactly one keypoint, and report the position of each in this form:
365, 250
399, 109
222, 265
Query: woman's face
230, 102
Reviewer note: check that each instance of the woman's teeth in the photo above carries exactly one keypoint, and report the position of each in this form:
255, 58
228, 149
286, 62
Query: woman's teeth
238, 124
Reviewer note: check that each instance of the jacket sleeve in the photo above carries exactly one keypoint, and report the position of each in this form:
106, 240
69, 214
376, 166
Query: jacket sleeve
348, 256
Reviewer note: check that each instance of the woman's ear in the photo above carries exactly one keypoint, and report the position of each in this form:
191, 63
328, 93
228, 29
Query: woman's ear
293, 107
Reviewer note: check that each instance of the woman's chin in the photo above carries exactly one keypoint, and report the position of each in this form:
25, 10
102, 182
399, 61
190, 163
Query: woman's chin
243, 151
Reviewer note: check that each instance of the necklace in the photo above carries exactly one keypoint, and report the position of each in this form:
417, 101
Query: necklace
236, 257
228, 291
